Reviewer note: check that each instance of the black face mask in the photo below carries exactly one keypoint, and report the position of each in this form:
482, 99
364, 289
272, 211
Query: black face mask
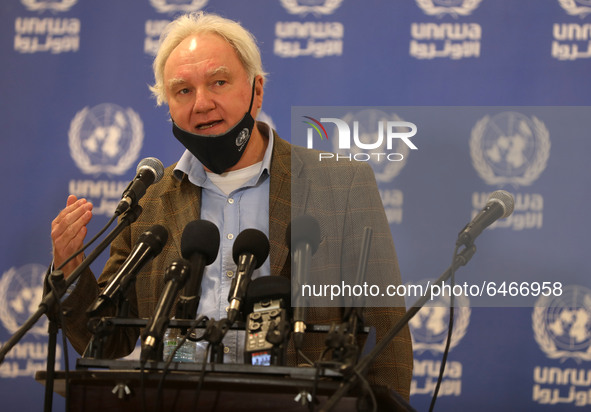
222, 151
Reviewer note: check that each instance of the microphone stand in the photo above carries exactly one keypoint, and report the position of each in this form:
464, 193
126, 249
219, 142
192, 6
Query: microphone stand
342, 338
184, 308
58, 283
214, 334
459, 260
101, 329
50, 299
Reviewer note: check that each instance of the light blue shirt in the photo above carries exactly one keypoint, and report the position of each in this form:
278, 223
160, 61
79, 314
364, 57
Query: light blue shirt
244, 208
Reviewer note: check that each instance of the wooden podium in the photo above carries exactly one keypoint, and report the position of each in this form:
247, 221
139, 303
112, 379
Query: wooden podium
107, 386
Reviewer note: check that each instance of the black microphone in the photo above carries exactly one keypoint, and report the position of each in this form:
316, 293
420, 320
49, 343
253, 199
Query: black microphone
148, 246
199, 245
175, 277
249, 251
500, 204
149, 170
267, 308
303, 236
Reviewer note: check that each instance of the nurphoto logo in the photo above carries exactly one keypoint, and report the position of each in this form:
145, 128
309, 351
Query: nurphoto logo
352, 145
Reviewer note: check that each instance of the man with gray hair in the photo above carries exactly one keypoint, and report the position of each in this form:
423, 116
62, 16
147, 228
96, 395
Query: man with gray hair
238, 174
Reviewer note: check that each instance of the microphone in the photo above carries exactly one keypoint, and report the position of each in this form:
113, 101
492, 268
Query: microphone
303, 236
149, 170
249, 251
500, 204
267, 327
175, 278
199, 245
148, 246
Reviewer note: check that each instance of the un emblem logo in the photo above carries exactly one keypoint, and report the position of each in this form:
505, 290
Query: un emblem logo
509, 148
453, 7
562, 324
242, 138
42, 5
105, 139
172, 6
576, 7
428, 328
21, 291
316, 7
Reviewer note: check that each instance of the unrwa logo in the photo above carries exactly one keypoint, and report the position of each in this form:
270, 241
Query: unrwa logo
576, 7
561, 322
105, 139
42, 5
454, 8
172, 6
21, 290
315, 7
429, 327
509, 148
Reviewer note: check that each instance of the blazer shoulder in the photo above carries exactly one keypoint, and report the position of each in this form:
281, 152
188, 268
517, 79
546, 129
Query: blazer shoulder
168, 182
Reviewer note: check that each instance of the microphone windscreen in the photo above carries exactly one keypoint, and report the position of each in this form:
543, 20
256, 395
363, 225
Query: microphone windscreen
505, 199
304, 229
155, 237
200, 236
267, 288
152, 164
251, 241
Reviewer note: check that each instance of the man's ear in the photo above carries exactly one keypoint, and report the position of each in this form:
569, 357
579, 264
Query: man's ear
259, 90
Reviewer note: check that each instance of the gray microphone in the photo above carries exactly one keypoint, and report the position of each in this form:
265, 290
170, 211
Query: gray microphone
500, 205
149, 171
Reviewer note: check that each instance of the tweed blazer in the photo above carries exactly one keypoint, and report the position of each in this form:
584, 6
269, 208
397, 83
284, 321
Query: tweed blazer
343, 197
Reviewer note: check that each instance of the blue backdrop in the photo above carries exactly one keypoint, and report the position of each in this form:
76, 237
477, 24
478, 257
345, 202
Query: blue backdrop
499, 93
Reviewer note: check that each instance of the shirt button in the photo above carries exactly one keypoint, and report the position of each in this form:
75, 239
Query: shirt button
230, 274
226, 349
230, 236
231, 201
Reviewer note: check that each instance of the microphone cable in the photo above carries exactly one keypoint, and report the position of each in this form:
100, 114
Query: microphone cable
90, 242
170, 357
143, 386
367, 389
202, 375
449, 332
304, 357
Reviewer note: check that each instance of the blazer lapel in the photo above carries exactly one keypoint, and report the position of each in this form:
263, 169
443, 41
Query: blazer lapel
183, 205
280, 195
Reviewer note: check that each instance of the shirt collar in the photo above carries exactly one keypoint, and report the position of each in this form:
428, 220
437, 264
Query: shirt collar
189, 165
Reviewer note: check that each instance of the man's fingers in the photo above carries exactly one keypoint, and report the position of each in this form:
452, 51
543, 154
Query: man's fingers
71, 218
68, 230
71, 200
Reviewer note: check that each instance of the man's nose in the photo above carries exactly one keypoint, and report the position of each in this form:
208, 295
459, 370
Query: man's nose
203, 100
